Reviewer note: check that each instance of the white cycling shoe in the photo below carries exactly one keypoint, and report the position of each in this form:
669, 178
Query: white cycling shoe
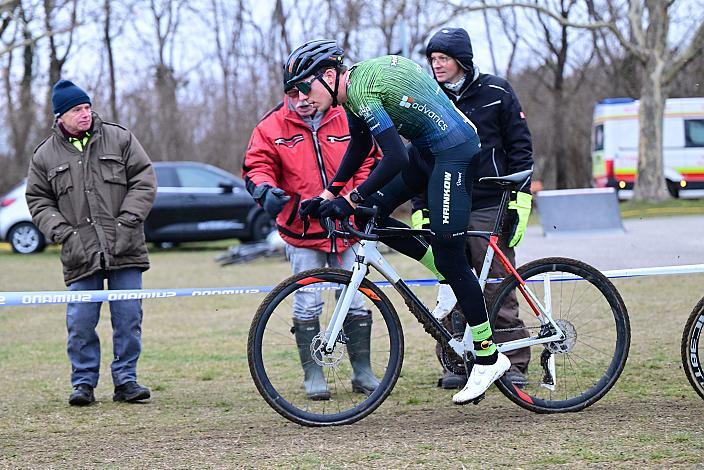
481, 378
446, 302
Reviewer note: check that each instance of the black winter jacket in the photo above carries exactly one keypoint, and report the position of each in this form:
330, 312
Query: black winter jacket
492, 105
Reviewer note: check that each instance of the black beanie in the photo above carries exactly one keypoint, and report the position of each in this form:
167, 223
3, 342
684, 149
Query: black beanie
454, 42
66, 95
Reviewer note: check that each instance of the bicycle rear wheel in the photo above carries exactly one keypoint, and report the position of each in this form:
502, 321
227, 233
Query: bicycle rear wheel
691, 348
590, 311
276, 367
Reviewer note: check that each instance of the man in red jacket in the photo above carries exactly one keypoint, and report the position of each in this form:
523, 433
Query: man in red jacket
293, 153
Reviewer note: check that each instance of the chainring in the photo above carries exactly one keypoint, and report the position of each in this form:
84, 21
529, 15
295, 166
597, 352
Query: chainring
451, 361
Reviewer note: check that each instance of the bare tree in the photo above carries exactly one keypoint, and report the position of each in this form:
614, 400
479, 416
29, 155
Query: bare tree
169, 141
107, 40
20, 110
647, 23
57, 58
562, 168
7, 10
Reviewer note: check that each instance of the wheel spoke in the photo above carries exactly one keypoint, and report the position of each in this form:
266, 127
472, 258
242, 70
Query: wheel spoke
276, 364
589, 310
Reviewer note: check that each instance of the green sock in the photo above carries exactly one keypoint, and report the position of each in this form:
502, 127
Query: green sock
428, 260
483, 342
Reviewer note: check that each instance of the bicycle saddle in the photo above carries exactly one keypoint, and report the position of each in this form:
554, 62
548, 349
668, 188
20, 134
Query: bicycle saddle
508, 180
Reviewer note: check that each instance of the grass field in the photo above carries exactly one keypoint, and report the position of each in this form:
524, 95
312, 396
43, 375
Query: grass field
206, 413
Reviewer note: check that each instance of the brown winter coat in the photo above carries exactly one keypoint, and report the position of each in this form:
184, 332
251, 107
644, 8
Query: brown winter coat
93, 202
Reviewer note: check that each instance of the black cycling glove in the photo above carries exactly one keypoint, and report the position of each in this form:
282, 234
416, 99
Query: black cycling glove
337, 208
310, 207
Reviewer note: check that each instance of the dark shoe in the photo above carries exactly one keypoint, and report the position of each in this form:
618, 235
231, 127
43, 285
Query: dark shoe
131, 392
82, 395
450, 381
517, 378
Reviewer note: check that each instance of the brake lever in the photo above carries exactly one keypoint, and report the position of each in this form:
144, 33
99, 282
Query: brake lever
329, 225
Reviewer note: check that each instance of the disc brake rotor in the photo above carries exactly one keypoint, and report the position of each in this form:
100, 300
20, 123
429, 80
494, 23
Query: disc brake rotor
320, 356
566, 345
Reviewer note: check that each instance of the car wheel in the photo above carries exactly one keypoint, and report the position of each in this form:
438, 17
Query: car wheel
165, 245
26, 238
673, 188
261, 227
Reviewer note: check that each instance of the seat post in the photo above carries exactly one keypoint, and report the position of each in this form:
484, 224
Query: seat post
499, 223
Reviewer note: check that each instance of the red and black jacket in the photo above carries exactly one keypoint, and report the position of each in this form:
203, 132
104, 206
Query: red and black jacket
284, 152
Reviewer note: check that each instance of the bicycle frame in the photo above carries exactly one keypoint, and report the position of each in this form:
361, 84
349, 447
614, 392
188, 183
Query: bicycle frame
369, 255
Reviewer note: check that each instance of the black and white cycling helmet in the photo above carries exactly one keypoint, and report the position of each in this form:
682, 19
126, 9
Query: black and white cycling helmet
311, 57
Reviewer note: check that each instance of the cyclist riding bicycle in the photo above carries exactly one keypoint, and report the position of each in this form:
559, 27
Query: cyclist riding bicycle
386, 98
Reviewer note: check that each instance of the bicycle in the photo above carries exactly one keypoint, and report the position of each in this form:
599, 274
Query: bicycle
563, 296
691, 339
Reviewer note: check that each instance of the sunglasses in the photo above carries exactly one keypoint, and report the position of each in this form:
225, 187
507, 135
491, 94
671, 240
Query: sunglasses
304, 87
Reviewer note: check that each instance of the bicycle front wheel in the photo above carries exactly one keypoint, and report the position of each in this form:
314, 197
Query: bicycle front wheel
278, 360
573, 373
691, 347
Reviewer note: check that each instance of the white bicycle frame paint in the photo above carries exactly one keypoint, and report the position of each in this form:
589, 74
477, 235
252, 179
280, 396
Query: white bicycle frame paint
369, 255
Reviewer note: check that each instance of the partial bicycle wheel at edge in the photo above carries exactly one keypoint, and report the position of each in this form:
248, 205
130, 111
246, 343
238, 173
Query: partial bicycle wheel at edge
691, 348
279, 351
571, 374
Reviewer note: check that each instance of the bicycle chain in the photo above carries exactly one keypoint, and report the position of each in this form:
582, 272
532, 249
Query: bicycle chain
450, 358
502, 330
423, 320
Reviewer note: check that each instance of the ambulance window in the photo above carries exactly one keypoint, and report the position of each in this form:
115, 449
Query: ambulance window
599, 137
694, 132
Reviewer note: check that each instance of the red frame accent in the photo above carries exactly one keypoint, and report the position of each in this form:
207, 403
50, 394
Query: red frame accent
493, 242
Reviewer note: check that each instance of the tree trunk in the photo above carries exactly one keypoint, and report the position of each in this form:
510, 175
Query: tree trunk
650, 180
25, 118
558, 152
171, 144
111, 61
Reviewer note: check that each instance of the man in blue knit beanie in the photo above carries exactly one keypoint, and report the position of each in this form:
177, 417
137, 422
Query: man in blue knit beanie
90, 186
66, 95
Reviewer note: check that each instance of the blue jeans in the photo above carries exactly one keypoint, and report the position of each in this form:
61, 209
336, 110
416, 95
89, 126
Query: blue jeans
126, 317
309, 305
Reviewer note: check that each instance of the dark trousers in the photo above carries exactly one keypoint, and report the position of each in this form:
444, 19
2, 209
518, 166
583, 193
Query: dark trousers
483, 220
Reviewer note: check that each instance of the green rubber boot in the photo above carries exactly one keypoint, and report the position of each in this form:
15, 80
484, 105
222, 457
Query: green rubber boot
358, 330
313, 379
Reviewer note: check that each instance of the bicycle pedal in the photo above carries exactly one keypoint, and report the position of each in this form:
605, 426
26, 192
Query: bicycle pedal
479, 398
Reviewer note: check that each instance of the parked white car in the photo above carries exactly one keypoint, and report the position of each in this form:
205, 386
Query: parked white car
16, 225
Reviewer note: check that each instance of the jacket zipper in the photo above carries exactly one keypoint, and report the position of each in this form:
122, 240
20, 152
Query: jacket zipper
493, 160
319, 157
323, 176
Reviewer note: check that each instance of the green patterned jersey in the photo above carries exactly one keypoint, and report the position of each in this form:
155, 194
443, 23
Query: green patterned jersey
393, 91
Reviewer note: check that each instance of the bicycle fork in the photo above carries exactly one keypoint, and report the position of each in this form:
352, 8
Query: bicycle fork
359, 271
